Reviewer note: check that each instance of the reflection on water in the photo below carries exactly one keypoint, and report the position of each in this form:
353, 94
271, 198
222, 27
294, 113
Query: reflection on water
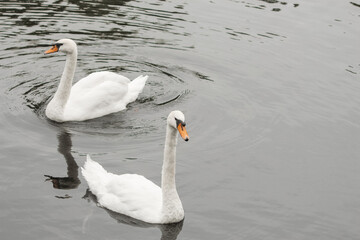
106, 19
98, 8
71, 181
274, 5
168, 231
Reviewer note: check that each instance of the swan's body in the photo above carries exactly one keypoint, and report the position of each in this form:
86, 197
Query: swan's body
134, 195
96, 95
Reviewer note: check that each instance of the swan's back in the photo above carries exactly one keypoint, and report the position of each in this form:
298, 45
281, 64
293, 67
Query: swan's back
97, 78
128, 194
101, 93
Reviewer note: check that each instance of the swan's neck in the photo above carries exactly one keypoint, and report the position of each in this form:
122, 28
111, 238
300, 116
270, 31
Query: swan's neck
63, 92
168, 170
172, 206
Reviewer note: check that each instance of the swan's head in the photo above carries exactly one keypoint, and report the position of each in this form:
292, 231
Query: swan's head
176, 119
67, 46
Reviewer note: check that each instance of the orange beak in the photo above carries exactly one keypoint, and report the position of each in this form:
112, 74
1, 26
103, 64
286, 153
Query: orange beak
182, 131
52, 50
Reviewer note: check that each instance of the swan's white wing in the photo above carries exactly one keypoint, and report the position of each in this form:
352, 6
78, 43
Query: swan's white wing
96, 95
129, 194
97, 78
134, 196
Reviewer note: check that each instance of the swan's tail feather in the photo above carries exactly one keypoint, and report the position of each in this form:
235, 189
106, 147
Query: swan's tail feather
95, 175
135, 87
138, 83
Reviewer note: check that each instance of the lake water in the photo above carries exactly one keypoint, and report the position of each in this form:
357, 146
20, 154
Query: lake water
271, 94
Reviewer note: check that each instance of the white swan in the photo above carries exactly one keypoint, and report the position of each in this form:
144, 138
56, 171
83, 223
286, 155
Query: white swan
134, 195
96, 95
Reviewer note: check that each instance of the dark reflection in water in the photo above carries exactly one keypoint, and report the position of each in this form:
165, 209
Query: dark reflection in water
96, 8
275, 5
168, 231
105, 19
355, 4
72, 180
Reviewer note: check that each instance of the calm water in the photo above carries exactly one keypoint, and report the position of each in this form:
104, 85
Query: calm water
270, 90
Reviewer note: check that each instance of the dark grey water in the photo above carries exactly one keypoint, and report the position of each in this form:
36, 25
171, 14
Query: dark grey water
270, 90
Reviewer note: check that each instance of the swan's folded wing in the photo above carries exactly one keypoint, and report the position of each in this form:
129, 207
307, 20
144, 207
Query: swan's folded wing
134, 196
85, 103
97, 78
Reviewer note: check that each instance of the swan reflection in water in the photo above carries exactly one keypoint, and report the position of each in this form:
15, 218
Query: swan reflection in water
72, 180
168, 231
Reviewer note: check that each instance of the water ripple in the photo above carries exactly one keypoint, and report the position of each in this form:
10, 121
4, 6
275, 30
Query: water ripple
107, 20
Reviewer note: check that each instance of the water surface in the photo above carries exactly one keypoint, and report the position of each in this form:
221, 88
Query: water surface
270, 91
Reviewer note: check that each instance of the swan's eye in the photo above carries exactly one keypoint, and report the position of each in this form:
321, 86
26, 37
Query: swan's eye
180, 122
58, 45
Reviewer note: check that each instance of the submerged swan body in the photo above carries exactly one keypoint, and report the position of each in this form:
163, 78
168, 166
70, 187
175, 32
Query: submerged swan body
96, 95
134, 195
